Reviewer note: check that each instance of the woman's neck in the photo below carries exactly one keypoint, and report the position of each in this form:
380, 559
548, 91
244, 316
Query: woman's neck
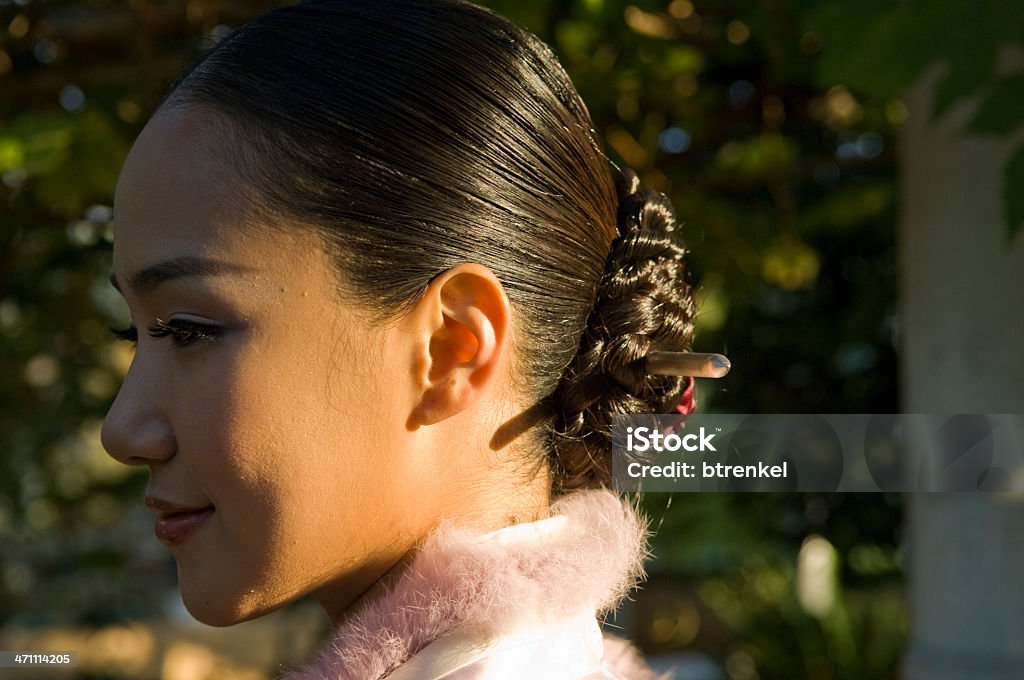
517, 504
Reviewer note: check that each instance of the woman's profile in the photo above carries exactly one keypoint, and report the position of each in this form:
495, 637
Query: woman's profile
387, 293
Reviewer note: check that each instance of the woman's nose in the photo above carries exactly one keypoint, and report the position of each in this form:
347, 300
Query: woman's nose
136, 431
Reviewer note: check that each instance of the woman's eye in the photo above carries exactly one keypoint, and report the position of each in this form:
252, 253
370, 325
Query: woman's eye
184, 332
130, 334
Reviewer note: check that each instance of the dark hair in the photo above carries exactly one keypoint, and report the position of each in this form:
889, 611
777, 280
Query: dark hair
415, 135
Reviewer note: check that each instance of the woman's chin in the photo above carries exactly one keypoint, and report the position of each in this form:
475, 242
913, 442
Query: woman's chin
219, 605
221, 613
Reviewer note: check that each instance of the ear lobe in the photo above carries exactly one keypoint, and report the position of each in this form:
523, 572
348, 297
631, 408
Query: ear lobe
466, 313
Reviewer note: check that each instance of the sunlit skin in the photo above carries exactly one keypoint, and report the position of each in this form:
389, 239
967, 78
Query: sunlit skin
329, 448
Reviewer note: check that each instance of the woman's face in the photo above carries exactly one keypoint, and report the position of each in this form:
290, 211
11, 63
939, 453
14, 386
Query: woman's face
262, 399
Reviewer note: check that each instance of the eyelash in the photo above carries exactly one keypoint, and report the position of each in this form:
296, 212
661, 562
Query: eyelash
183, 333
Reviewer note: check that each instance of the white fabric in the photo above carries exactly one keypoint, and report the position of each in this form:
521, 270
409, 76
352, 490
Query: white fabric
572, 647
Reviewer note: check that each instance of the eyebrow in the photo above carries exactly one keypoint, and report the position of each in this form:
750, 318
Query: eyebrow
145, 280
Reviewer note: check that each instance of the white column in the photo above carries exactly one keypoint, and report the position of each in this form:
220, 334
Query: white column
962, 351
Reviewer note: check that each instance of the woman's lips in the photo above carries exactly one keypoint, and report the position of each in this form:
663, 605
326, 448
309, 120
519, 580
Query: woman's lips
174, 528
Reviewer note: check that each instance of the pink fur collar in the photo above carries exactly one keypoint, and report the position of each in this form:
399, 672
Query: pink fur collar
460, 579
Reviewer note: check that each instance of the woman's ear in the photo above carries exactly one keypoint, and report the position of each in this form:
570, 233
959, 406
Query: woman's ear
459, 329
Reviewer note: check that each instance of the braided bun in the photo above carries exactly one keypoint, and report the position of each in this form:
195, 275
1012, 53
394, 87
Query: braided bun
643, 303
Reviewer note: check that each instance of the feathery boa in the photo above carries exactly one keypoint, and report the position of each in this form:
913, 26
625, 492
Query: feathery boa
459, 580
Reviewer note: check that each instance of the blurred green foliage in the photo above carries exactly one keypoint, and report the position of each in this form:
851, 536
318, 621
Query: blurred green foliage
968, 41
772, 126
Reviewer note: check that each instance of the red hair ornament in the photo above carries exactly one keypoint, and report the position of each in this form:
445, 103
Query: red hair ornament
686, 403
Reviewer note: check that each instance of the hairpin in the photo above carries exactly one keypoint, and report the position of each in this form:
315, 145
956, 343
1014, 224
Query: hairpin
693, 364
